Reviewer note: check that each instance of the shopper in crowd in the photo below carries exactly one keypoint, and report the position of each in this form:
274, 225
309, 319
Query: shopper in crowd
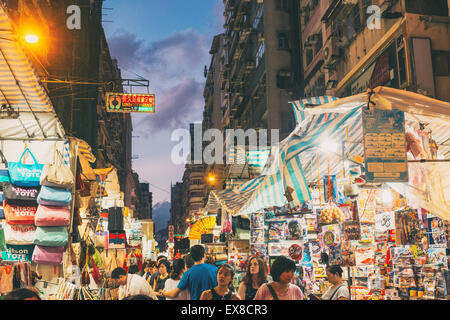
224, 289
298, 279
178, 269
155, 274
188, 261
22, 294
338, 289
138, 297
131, 284
133, 269
146, 270
199, 278
256, 276
280, 288
158, 286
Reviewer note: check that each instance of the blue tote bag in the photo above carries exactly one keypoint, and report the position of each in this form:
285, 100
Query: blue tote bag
25, 175
57, 197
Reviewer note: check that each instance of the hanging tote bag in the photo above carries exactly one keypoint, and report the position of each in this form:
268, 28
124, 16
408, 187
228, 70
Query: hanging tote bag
51, 236
24, 196
19, 234
47, 216
2, 240
15, 214
2, 213
57, 197
48, 255
4, 173
25, 175
57, 175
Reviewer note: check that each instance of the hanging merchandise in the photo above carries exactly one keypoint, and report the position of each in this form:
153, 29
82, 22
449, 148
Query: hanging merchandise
57, 175
52, 196
2, 239
25, 175
49, 216
2, 211
15, 214
25, 196
51, 236
19, 234
4, 173
331, 214
408, 229
117, 240
115, 219
18, 252
295, 252
48, 255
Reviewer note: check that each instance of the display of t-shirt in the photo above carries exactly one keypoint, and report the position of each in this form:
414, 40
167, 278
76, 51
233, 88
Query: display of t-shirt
199, 278
172, 284
341, 292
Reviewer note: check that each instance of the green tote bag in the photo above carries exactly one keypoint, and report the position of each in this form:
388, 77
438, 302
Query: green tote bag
51, 236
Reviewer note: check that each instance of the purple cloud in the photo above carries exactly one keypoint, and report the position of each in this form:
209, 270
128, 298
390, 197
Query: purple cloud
174, 67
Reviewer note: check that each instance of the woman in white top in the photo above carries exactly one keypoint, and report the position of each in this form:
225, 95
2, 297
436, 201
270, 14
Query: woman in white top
338, 289
178, 268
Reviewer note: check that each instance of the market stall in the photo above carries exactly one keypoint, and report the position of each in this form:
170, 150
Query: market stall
362, 182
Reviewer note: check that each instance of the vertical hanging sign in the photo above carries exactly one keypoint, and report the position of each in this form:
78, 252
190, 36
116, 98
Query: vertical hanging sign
384, 145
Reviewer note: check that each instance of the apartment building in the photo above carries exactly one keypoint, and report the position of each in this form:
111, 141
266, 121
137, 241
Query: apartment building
352, 45
262, 71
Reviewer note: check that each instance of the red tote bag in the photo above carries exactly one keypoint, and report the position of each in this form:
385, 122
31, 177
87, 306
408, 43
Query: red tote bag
15, 214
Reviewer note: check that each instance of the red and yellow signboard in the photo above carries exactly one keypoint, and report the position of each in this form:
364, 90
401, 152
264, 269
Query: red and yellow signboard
129, 102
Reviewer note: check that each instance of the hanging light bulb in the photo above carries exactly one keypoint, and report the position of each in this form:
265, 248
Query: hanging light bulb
329, 146
386, 196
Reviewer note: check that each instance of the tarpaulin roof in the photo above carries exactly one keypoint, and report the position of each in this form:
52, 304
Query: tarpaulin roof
20, 88
297, 162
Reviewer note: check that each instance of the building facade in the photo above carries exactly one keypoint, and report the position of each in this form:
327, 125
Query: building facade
354, 45
76, 68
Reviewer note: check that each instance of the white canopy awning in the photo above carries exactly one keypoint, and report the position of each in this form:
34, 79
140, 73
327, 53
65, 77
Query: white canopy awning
20, 89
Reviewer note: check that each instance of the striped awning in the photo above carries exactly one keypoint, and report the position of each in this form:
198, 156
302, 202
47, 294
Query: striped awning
299, 159
20, 89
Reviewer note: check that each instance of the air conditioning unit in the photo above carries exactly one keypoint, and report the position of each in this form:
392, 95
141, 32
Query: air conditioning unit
331, 52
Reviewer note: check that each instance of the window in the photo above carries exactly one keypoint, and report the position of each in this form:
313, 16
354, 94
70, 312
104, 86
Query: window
283, 41
287, 122
309, 56
284, 79
432, 8
441, 63
282, 5
258, 16
260, 53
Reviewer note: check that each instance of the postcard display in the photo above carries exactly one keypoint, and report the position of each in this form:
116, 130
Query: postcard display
387, 252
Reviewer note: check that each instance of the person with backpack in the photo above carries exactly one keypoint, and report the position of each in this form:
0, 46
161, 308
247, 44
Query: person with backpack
201, 277
280, 288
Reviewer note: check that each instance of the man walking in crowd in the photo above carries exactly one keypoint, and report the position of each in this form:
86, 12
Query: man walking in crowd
199, 278
132, 284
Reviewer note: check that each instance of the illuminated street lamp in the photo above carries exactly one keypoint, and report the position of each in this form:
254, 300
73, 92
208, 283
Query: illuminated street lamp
211, 178
31, 38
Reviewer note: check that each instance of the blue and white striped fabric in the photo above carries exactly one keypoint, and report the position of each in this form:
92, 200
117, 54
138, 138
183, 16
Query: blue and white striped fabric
299, 106
66, 153
257, 160
292, 165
